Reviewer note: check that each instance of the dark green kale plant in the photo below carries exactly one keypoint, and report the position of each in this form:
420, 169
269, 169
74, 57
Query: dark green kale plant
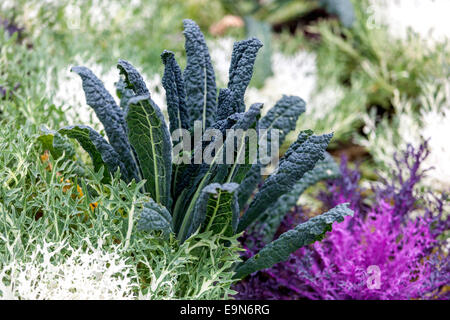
215, 196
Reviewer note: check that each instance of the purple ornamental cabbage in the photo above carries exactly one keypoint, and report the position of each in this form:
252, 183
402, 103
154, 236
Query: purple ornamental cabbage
379, 253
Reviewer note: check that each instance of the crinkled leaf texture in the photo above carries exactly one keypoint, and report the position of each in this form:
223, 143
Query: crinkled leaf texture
282, 116
241, 69
206, 194
155, 217
247, 120
225, 102
133, 78
216, 210
301, 157
270, 221
173, 83
199, 77
112, 118
150, 139
149, 136
306, 233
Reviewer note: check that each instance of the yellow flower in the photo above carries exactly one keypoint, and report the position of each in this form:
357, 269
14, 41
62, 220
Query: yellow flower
67, 186
44, 156
80, 191
93, 205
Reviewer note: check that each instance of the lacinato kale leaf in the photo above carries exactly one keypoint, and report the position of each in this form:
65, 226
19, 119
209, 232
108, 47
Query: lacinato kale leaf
241, 69
225, 104
173, 83
303, 234
98, 148
301, 157
133, 79
155, 217
199, 77
216, 210
112, 118
149, 136
270, 221
283, 117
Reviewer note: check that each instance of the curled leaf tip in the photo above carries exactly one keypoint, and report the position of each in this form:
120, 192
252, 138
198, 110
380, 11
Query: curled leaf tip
166, 55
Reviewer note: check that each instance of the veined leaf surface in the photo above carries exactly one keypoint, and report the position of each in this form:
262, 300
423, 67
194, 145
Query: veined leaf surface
150, 139
216, 210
